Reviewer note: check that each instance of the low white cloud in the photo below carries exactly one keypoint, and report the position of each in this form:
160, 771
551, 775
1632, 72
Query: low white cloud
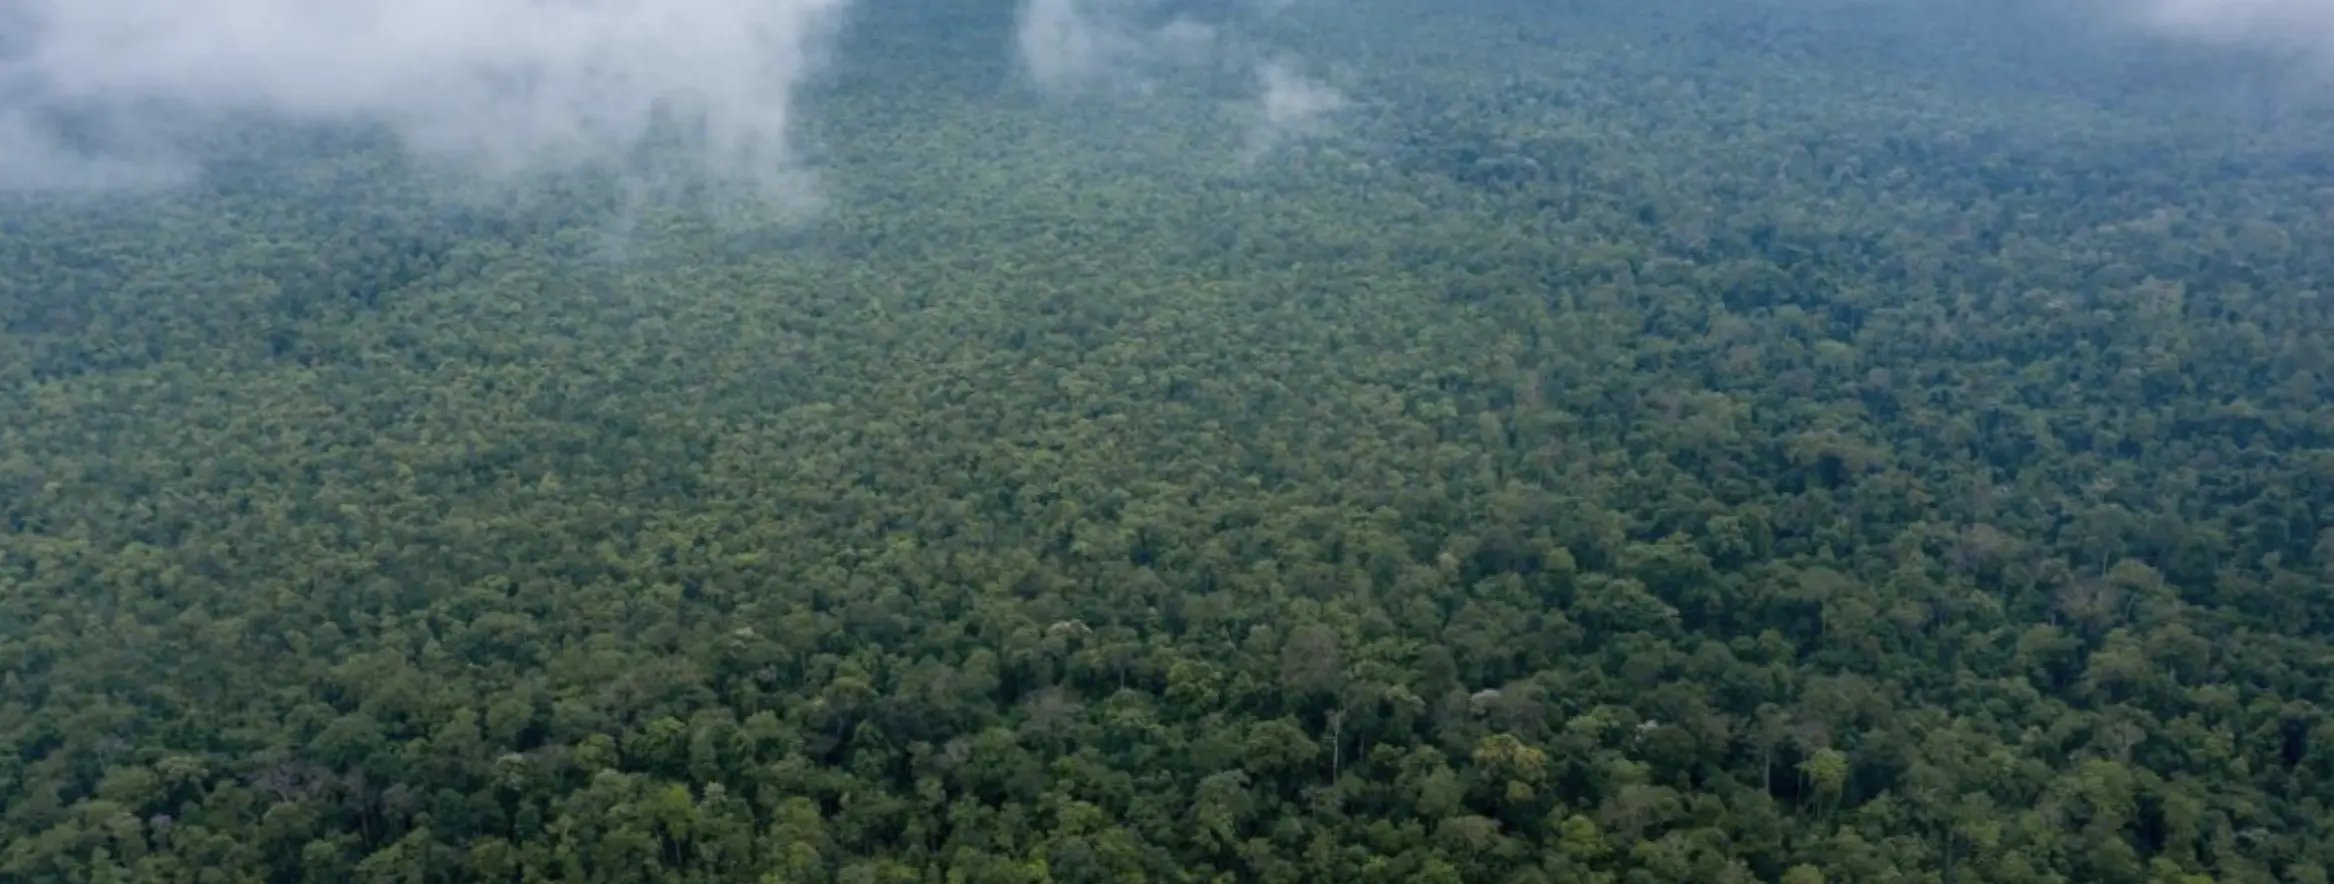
2292, 23
1119, 47
2296, 36
1079, 46
1289, 106
487, 85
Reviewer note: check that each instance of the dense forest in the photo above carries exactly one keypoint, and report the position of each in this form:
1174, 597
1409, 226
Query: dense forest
1623, 442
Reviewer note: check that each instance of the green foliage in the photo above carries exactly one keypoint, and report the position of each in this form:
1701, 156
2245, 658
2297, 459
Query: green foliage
1681, 452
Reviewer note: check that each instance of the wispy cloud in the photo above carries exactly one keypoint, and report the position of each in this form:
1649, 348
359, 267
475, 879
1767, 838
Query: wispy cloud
2304, 23
1121, 46
490, 85
1078, 46
1289, 105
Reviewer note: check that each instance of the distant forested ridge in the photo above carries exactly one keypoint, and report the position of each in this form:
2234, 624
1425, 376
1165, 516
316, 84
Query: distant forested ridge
1622, 447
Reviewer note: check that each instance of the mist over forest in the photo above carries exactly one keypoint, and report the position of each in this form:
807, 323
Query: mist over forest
906, 442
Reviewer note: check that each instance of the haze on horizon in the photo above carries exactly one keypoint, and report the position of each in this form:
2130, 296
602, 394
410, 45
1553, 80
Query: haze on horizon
105, 93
